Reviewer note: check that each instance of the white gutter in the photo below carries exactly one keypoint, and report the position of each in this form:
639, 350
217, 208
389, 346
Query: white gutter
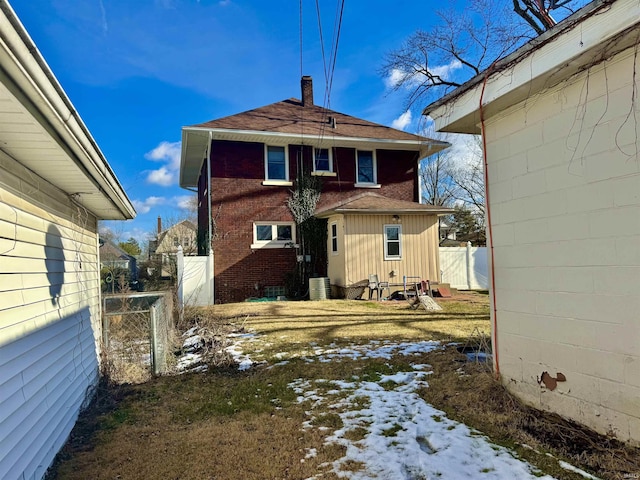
33, 76
430, 146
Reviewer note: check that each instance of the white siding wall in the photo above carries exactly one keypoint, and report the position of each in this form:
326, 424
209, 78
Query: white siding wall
564, 176
49, 320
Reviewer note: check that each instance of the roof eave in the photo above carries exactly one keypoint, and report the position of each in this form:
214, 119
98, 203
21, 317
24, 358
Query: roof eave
555, 55
386, 211
32, 76
194, 143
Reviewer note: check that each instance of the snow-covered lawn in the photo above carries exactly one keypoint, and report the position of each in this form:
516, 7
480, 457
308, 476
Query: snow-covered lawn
388, 431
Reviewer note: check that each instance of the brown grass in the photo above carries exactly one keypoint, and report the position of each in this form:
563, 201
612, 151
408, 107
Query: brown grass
229, 425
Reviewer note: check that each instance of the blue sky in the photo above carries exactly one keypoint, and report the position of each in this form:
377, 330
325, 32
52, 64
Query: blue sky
139, 70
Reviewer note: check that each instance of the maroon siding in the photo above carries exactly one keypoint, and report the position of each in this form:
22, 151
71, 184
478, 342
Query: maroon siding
239, 199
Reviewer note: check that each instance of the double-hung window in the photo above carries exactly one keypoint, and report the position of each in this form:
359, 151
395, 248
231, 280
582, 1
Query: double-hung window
276, 163
322, 160
273, 235
392, 242
366, 175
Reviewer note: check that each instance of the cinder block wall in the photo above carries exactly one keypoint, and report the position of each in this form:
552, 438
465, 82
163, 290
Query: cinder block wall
564, 177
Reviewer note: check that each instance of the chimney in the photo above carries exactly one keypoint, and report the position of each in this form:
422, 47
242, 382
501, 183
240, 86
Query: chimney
159, 225
307, 91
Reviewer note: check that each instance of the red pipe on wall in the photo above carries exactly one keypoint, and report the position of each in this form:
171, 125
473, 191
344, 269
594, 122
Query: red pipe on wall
489, 226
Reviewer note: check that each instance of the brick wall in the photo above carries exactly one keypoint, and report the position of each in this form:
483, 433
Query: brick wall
239, 199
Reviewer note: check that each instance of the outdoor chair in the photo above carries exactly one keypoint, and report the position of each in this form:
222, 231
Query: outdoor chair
377, 286
414, 287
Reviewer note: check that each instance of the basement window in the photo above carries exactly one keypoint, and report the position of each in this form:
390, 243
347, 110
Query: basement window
273, 235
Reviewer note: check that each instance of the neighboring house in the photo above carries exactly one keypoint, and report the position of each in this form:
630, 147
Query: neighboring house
448, 234
55, 185
165, 246
560, 123
114, 258
255, 157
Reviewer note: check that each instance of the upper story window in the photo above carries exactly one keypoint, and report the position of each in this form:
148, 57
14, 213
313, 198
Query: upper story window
366, 175
273, 235
392, 242
276, 164
322, 160
176, 241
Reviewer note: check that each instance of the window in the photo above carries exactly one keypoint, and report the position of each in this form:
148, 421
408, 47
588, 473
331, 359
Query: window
334, 238
176, 241
365, 168
185, 241
392, 242
273, 235
322, 160
276, 164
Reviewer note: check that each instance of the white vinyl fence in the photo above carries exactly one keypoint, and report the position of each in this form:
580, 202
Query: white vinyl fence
195, 280
464, 268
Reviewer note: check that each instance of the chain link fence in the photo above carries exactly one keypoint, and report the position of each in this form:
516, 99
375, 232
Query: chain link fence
138, 335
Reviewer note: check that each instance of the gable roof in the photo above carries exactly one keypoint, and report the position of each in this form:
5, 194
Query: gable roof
184, 223
371, 203
109, 251
46, 135
593, 34
294, 122
291, 116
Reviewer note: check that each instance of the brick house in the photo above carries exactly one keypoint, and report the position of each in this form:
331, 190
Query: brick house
255, 156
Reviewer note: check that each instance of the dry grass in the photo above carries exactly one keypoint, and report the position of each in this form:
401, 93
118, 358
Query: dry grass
230, 425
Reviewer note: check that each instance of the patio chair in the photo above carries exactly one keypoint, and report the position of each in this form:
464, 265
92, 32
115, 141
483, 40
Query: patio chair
414, 287
376, 285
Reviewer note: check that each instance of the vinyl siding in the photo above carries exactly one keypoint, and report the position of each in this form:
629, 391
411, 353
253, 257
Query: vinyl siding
364, 248
49, 320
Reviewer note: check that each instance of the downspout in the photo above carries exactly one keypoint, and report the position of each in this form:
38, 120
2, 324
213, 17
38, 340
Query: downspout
489, 227
209, 268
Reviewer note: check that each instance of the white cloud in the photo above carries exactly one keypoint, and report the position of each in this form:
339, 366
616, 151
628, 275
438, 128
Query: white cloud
169, 153
444, 71
184, 202
162, 177
402, 121
394, 78
144, 206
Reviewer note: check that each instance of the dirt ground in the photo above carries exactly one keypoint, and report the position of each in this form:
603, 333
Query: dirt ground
222, 424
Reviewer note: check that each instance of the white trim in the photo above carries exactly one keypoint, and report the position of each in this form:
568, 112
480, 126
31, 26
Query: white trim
285, 149
386, 241
367, 185
279, 138
277, 183
324, 174
330, 158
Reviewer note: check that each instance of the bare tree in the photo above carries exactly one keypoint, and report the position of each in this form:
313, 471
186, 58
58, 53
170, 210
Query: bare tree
537, 13
468, 177
464, 42
438, 185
